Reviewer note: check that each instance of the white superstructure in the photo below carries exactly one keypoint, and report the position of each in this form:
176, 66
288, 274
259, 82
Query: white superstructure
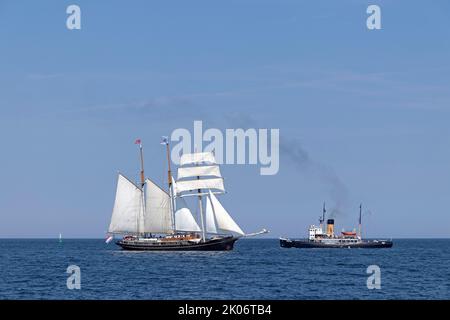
314, 231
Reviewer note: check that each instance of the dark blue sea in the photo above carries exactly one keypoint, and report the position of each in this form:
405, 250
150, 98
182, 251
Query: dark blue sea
256, 269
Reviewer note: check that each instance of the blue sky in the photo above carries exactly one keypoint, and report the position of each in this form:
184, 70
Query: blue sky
369, 108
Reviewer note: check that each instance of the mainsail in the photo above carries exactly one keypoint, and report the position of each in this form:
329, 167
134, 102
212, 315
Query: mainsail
128, 215
158, 218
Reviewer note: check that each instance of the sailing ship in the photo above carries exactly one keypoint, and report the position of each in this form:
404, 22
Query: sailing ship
318, 238
151, 218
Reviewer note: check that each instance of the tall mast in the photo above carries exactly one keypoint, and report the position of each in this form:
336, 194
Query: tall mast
141, 154
142, 164
165, 140
360, 216
200, 205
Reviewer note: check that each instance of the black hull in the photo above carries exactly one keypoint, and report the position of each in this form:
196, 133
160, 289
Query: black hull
222, 244
287, 243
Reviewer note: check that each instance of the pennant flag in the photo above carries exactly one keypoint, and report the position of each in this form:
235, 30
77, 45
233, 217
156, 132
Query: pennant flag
164, 140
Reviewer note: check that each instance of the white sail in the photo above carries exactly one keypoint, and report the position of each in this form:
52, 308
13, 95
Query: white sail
184, 221
210, 220
158, 218
224, 220
189, 172
197, 158
127, 215
191, 185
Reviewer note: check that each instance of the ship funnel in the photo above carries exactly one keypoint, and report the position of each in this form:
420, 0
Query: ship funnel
330, 227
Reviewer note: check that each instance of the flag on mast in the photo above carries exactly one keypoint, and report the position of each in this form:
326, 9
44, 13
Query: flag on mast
164, 140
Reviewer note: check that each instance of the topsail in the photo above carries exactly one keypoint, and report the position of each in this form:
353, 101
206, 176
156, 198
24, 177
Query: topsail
197, 158
190, 172
198, 171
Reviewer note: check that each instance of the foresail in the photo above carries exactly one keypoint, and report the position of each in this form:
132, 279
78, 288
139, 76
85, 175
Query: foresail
158, 218
210, 220
223, 219
184, 221
127, 215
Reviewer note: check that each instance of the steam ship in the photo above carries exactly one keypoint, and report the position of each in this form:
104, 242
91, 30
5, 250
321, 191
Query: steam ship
347, 239
151, 218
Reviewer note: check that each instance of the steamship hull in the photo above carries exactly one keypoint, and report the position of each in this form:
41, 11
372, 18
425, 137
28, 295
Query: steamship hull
221, 244
372, 244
